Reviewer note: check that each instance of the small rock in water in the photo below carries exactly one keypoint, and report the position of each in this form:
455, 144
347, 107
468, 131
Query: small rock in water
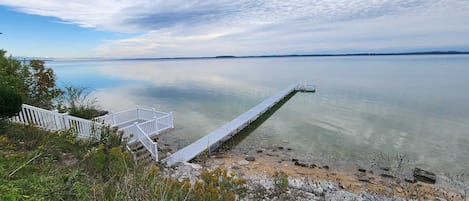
273, 155
250, 158
410, 179
361, 169
289, 149
325, 167
386, 175
301, 164
259, 151
385, 168
364, 178
294, 160
424, 176
280, 148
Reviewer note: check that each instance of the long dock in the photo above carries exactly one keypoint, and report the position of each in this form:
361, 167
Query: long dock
234, 126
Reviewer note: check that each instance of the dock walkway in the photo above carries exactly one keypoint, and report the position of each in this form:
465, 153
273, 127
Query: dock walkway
234, 126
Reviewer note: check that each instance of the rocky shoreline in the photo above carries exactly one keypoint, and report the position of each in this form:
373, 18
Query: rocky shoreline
308, 182
318, 180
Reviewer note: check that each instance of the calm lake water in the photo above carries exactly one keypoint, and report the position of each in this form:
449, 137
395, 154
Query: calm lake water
412, 105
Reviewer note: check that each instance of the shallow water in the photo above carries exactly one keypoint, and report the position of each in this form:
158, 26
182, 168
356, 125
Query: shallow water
413, 105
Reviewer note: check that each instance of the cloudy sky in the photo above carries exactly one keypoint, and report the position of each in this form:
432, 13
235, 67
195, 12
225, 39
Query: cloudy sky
157, 28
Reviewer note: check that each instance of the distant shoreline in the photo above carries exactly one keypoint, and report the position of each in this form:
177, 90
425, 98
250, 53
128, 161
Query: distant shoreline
253, 56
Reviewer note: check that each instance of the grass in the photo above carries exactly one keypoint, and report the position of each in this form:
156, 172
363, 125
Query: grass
40, 165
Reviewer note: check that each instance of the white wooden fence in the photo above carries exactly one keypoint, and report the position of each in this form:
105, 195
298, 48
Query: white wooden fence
141, 124
54, 121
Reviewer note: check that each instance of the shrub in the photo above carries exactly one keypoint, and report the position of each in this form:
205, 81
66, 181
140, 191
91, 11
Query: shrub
87, 112
280, 181
10, 103
35, 83
76, 102
109, 159
42, 86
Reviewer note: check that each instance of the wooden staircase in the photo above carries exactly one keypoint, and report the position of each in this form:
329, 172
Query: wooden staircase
140, 154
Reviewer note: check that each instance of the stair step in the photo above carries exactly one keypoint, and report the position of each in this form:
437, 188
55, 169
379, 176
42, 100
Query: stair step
143, 157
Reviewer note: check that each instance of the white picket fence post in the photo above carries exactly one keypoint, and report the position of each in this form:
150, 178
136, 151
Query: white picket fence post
57, 119
171, 119
138, 114
156, 124
113, 118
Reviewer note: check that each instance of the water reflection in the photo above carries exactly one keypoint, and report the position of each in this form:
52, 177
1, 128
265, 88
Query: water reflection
414, 105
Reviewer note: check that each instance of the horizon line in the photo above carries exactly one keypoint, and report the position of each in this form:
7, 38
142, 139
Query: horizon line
436, 52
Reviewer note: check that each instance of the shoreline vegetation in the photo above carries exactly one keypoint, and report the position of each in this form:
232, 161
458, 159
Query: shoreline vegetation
41, 165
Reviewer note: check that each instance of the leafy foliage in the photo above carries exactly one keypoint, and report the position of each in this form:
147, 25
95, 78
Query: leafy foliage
55, 166
34, 82
76, 102
42, 89
14, 75
10, 103
280, 181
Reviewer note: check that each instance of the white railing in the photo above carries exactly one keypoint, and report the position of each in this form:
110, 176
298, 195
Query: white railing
306, 87
149, 127
128, 132
149, 114
36, 116
165, 122
131, 116
154, 122
147, 142
119, 118
52, 120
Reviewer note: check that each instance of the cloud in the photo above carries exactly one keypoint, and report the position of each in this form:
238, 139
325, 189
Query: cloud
244, 27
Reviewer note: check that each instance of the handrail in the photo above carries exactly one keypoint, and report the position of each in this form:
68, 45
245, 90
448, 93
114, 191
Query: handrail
127, 116
149, 144
53, 120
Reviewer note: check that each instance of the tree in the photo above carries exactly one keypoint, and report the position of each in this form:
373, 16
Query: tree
42, 89
10, 103
34, 82
13, 75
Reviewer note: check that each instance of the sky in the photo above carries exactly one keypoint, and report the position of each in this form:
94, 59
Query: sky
186, 28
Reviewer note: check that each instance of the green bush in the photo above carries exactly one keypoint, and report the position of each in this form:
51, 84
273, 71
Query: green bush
280, 181
40, 165
10, 103
87, 112
76, 102
35, 83
109, 159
